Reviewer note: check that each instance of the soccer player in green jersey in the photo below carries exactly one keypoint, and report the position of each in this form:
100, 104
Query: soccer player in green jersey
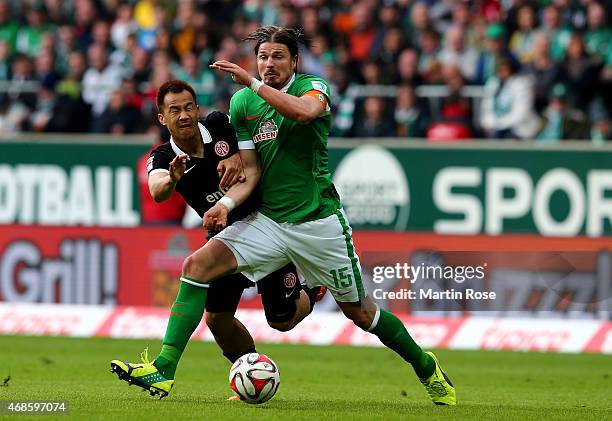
286, 117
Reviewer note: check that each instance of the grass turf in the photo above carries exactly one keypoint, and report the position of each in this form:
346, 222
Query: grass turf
319, 382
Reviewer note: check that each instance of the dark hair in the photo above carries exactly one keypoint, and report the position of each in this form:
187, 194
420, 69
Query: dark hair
173, 86
290, 37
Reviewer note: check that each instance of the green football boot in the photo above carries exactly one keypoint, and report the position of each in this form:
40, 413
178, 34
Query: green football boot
439, 387
143, 374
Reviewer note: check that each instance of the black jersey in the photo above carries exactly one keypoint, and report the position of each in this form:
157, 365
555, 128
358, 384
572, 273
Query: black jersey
199, 185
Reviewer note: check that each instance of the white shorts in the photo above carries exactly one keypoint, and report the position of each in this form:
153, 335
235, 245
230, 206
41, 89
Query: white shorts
322, 250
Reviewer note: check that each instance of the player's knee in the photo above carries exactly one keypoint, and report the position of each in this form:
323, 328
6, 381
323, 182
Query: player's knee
361, 319
194, 268
281, 326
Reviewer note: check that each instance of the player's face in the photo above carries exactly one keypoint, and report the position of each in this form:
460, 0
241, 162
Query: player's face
180, 115
275, 64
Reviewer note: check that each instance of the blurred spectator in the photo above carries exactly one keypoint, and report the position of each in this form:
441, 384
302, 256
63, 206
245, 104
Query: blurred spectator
319, 54
146, 18
419, 22
22, 73
457, 53
39, 118
66, 43
183, 28
99, 80
411, 115
543, 70
430, 48
71, 113
85, 14
58, 11
12, 115
408, 68
201, 79
388, 53
559, 36
343, 102
456, 108
44, 67
311, 22
598, 37
5, 65
363, 32
602, 129
507, 109
140, 69
132, 94
71, 83
123, 26
101, 35
373, 122
496, 48
29, 37
521, 42
580, 73
118, 118
441, 13
560, 121
371, 73
8, 26
572, 13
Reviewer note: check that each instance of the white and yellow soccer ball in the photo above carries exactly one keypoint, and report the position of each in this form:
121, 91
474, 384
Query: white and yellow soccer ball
254, 378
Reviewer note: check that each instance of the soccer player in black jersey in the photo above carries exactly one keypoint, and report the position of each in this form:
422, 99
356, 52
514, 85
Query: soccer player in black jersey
216, 176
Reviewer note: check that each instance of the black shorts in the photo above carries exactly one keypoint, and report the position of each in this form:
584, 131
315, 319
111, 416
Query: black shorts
224, 294
279, 290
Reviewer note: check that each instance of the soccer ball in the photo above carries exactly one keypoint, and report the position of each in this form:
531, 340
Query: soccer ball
254, 378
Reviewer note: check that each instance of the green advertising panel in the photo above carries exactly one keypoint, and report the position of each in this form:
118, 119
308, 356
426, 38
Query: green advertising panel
71, 183
488, 188
468, 188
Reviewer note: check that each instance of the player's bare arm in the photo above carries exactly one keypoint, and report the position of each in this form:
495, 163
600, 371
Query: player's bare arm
216, 217
302, 109
162, 184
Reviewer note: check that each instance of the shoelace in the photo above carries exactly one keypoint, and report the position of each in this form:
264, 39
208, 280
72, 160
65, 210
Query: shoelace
144, 356
436, 387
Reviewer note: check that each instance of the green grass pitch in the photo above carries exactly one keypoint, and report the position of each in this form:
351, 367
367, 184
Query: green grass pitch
317, 382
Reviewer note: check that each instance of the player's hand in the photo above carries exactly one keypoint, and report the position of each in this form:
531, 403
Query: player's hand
178, 166
215, 218
231, 172
239, 75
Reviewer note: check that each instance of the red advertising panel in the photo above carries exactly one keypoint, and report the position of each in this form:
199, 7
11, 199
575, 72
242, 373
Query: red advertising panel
139, 266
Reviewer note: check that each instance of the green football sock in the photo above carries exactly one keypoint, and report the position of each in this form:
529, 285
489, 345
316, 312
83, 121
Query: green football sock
185, 316
392, 333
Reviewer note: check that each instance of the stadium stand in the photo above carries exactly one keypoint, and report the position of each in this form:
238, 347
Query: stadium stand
399, 68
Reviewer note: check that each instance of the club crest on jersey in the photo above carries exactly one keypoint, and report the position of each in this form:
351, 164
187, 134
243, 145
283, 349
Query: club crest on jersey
290, 280
222, 148
267, 130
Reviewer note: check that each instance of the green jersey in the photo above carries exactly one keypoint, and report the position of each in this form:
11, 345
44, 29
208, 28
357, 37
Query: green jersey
295, 184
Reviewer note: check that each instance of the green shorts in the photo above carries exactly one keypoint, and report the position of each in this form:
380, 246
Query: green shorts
322, 250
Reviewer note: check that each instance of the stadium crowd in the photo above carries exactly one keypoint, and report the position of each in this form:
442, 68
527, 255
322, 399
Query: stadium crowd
534, 70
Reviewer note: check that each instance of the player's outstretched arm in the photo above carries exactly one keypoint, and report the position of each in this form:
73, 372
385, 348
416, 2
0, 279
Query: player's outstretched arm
216, 217
162, 184
302, 109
